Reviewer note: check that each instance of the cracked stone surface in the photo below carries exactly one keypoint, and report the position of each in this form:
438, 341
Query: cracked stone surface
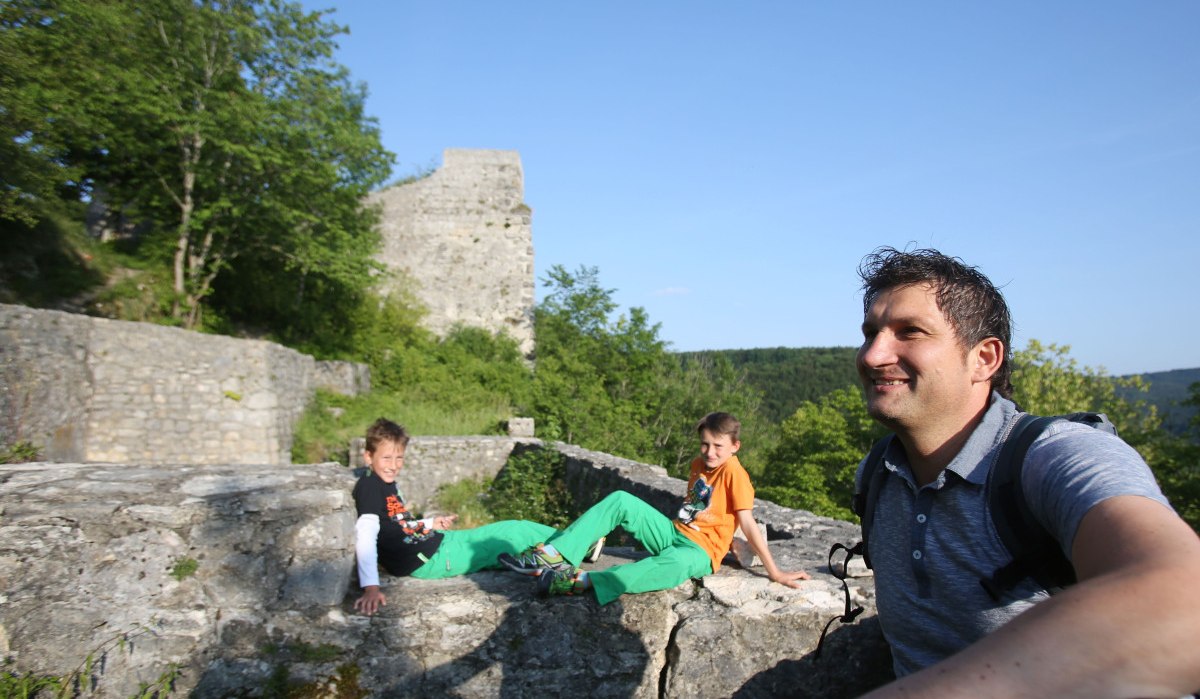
93, 553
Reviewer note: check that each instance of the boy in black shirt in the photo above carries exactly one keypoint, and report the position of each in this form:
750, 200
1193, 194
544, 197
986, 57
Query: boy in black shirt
388, 534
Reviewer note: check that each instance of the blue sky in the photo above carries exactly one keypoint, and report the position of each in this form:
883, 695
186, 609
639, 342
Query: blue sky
727, 165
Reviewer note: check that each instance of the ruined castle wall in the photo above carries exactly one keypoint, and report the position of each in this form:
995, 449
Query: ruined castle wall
463, 239
45, 381
98, 390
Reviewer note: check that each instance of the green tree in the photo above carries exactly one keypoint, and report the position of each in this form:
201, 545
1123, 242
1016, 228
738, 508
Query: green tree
45, 65
1047, 381
606, 381
1178, 466
704, 383
820, 446
595, 375
224, 126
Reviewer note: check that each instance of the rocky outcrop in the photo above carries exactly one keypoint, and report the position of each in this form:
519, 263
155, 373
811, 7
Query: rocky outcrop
239, 576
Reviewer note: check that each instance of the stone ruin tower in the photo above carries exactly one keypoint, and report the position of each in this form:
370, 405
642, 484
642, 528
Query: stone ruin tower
463, 239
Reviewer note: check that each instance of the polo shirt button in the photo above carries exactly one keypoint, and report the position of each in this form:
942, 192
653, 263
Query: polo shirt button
916, 555
921, 518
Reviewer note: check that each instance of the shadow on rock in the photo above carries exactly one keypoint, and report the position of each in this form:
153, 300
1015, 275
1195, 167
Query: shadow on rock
854, 660
488, 635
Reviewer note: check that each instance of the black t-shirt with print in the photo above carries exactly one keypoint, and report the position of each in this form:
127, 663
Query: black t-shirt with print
402, 537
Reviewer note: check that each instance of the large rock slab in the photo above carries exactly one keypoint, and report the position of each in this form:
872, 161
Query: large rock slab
96, 554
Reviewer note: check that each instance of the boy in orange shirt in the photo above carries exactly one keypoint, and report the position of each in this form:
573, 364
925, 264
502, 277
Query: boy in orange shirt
719, 499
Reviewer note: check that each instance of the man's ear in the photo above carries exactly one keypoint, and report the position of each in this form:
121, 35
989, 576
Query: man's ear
987, 357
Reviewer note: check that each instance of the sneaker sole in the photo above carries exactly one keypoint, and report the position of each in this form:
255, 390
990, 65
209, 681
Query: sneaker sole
515, 566
594, 552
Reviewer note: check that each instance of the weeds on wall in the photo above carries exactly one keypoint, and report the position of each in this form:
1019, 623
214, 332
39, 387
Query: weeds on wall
84, 680
19, 453
184, 568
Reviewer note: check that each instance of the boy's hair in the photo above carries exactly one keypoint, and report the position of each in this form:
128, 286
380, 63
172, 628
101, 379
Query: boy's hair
719, 424
969, 301
384, 430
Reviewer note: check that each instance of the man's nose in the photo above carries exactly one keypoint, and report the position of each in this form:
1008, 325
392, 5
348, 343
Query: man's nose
880, 350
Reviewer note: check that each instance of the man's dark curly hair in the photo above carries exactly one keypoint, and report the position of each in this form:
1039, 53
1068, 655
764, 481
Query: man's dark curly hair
969, 301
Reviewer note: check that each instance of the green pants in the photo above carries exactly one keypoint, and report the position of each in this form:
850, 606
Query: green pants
675, 558
468, 550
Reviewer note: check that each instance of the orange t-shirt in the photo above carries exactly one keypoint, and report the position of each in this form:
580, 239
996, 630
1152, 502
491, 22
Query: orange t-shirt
707, 515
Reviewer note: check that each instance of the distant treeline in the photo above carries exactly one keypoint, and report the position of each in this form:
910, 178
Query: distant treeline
788, 376
1167, 390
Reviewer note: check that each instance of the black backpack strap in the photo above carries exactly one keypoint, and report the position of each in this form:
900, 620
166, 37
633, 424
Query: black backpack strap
1035, 553
865, 499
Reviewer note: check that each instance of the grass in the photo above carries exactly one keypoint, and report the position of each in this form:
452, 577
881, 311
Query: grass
184, 568
467, 500
331, 421
85, 678
19, 453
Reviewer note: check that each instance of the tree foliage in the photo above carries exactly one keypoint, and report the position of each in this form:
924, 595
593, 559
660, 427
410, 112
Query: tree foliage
531, 486
812, 467
1178, 466
789, 376
606, 381
222, 127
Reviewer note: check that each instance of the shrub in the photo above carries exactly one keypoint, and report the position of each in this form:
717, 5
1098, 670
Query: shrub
531, 486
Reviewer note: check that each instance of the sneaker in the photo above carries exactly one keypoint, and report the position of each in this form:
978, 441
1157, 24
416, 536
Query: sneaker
560, 581
593, 553
532, 561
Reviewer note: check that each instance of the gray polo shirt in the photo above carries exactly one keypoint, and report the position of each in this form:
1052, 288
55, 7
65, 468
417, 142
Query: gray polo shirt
930, 546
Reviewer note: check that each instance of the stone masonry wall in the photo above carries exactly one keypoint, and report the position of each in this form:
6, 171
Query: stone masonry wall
97, 390
463, 237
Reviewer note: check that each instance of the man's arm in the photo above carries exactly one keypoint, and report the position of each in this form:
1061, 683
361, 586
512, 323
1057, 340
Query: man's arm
1129, 628
745, 520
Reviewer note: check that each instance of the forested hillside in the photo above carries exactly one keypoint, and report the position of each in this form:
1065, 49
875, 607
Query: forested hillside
1168, 389
788, 376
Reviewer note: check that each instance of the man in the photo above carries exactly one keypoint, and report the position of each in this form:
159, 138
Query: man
935, 368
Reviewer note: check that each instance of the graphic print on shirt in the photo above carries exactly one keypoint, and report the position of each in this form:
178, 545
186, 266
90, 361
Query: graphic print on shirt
695, 502
414, 529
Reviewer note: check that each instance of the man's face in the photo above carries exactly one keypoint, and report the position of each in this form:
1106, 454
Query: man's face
716, 449
914, 371
386, 461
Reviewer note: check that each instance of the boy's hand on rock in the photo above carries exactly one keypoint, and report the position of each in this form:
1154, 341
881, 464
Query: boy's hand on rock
370, 602
790, 578
444, 521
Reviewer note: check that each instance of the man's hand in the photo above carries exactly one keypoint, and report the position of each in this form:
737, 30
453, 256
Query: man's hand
370, 602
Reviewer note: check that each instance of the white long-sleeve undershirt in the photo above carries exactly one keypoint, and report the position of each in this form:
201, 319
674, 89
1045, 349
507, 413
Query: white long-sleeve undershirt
366, 549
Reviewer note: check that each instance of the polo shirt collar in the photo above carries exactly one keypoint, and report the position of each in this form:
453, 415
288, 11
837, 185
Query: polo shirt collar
974, 460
